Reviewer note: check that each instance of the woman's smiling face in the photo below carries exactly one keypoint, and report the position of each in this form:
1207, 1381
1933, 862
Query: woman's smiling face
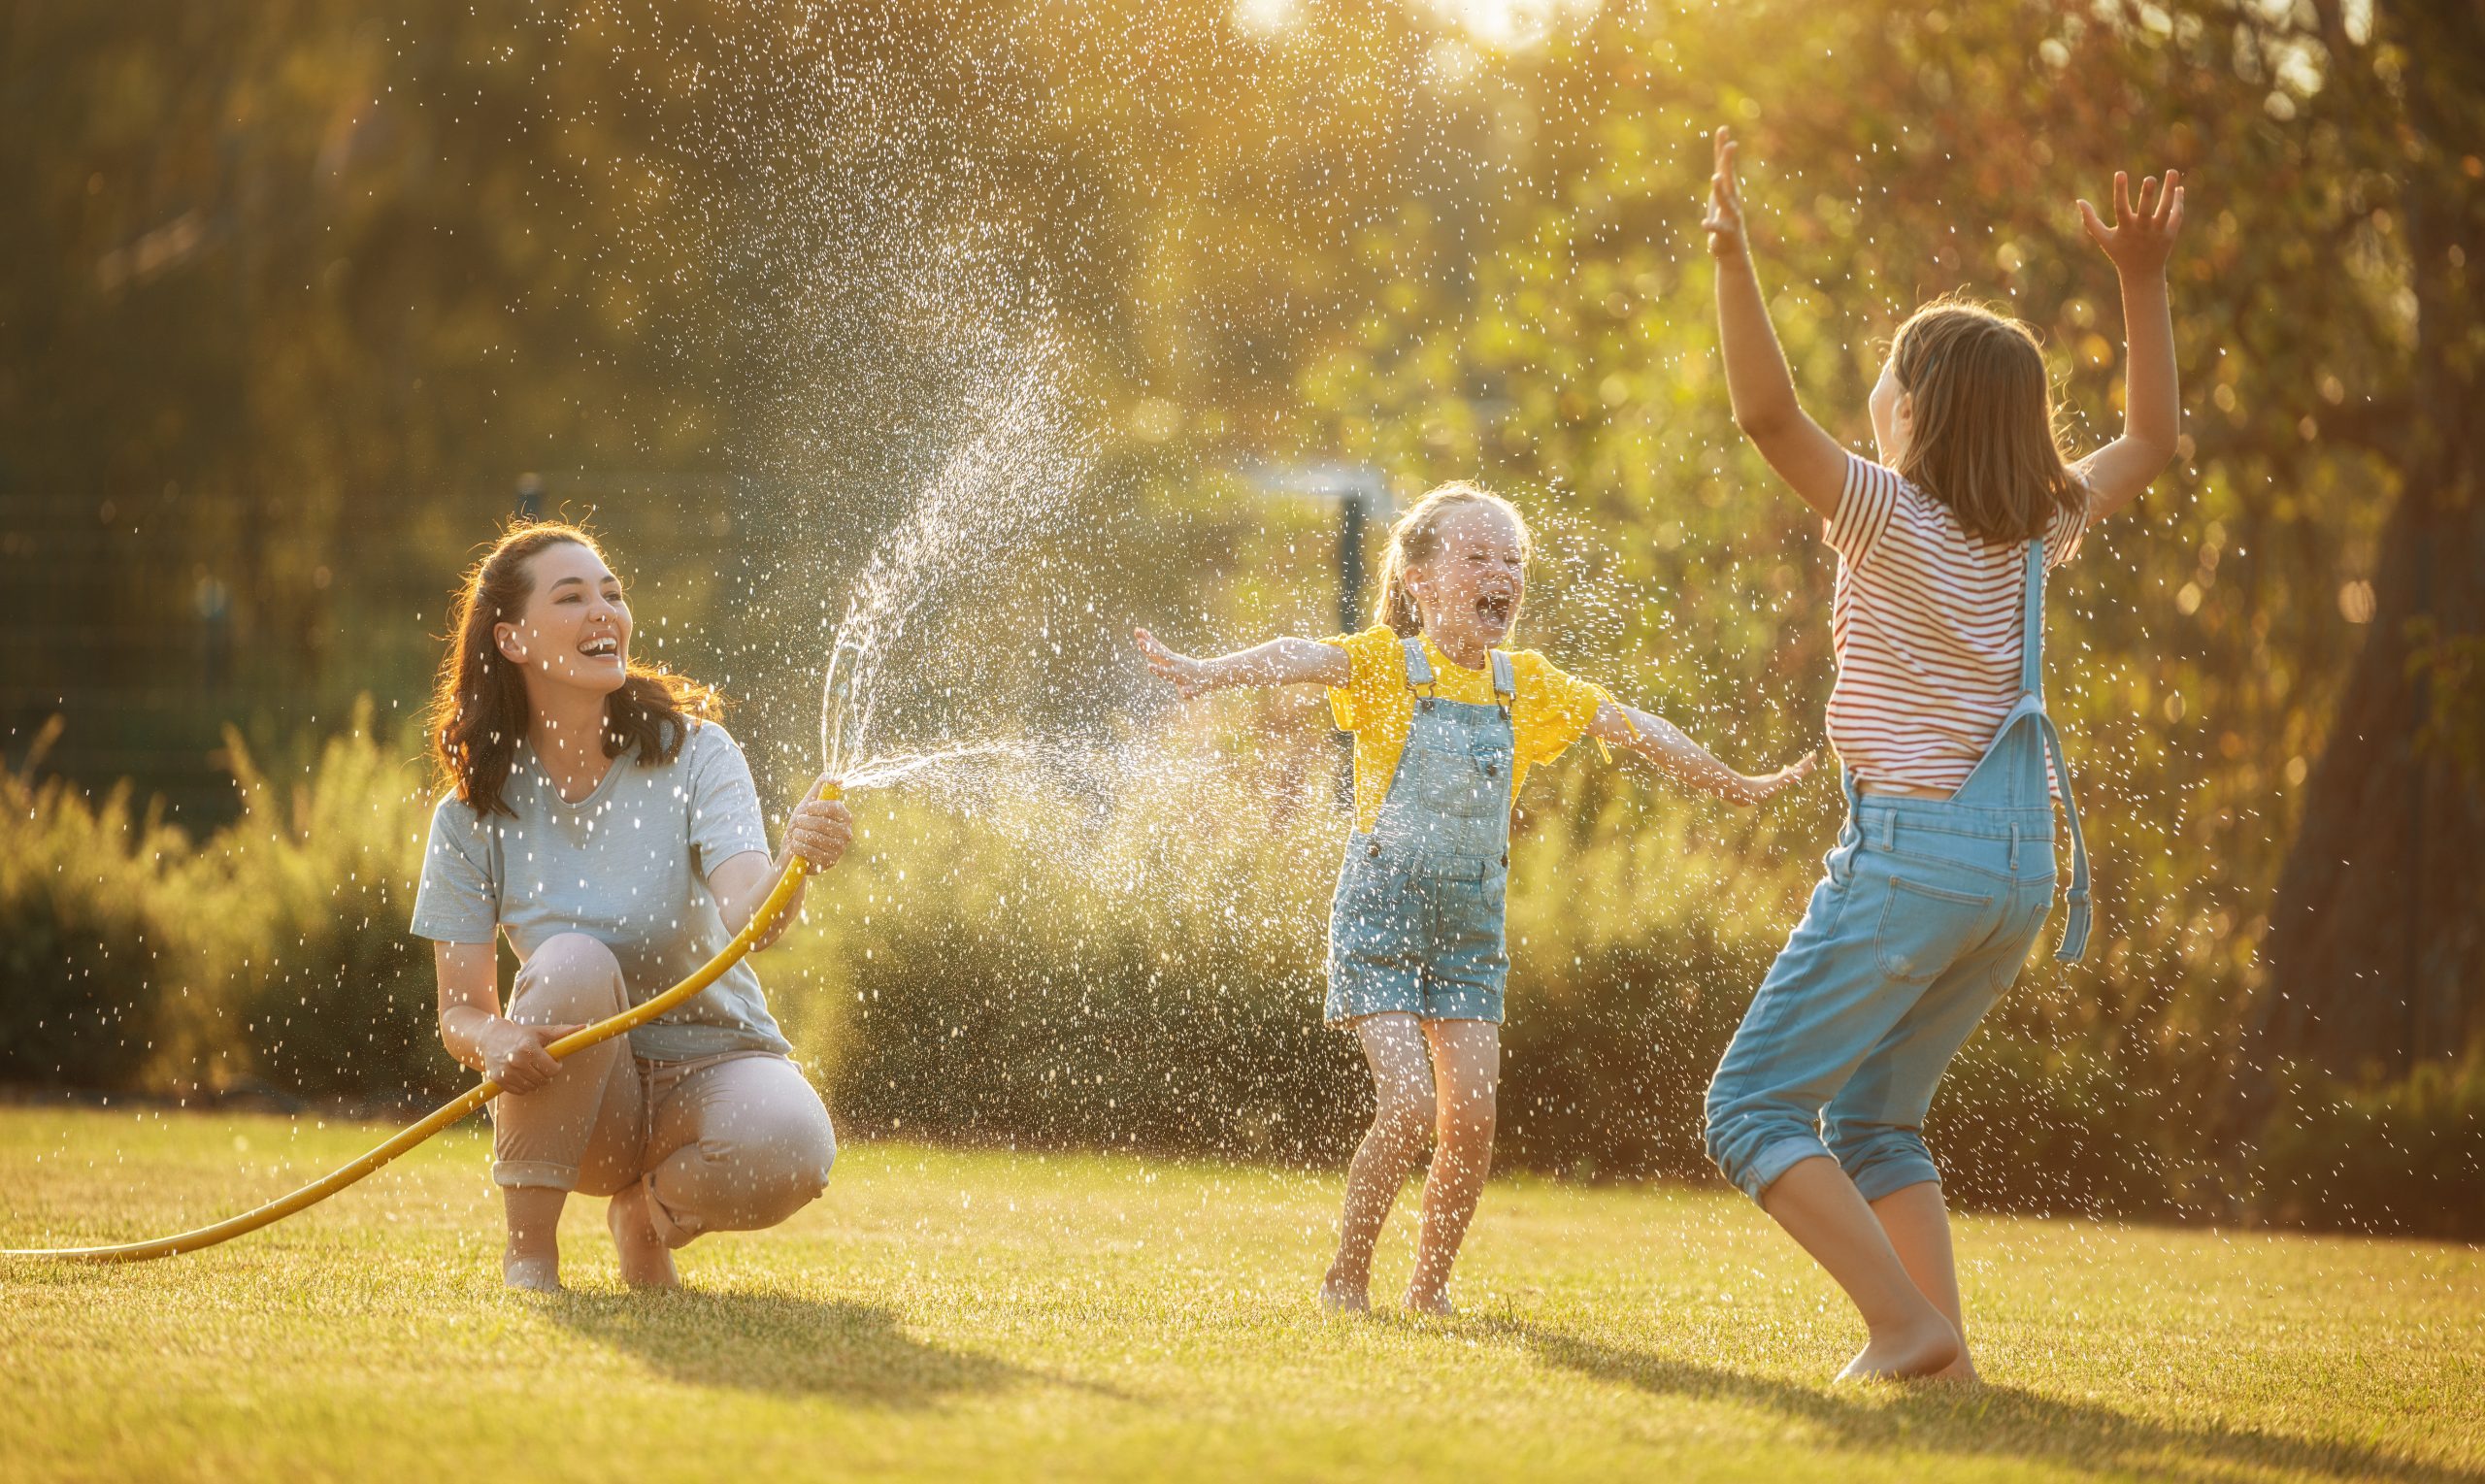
575, 628
1469, 592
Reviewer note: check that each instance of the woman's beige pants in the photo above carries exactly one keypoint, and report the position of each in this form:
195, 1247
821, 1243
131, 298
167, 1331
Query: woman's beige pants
727, 1143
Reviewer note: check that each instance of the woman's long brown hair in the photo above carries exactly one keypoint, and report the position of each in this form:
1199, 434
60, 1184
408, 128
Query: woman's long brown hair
479, 712
1983, 441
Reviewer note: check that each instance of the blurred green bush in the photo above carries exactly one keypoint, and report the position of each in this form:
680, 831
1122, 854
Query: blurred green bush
81, 886
300, 910
2388, 1156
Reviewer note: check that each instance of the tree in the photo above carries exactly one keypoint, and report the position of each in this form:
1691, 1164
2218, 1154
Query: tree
2377, 936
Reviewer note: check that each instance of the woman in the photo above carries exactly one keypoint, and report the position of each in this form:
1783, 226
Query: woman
598, 817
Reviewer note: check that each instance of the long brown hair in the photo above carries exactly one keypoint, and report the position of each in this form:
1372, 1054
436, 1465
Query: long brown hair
1415, 537
479, 713
1983, 442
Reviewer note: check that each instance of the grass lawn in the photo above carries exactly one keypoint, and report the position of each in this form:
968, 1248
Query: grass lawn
944, 1314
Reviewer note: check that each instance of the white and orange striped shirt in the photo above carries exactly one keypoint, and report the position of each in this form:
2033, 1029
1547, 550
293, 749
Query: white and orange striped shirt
1925, 622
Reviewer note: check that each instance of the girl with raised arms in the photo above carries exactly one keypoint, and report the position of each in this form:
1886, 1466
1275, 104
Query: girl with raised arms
1446, 725
598, 817
1944, 870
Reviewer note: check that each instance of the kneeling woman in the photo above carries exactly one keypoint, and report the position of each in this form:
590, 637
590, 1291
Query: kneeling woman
598, 817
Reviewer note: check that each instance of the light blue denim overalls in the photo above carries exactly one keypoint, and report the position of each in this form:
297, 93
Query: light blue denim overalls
1416, 921
1922, 920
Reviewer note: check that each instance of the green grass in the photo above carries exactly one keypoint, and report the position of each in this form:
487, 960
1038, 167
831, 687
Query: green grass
944, 1314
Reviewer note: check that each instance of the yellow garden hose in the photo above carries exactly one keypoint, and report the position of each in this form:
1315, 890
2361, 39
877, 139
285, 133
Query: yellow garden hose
473, 1098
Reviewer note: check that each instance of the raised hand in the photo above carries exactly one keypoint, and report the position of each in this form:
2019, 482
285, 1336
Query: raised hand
1724, 221
2141, 238
1188, 676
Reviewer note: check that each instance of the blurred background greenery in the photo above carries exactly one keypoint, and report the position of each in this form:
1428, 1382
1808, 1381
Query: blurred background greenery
297, 303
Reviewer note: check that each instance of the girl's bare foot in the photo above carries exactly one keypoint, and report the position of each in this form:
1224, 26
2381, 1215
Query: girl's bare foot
1961, 1372
1434, 1303
1920, 1351
645, 1260
535, 1273
1346, 1291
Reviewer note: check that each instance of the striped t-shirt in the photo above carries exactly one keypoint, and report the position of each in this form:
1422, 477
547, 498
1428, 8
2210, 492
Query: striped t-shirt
1925, 624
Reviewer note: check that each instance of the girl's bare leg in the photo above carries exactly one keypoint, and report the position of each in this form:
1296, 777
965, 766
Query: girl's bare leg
532, 1259
1401, 1085
1918, 1224
1466, 1061
1821, 1208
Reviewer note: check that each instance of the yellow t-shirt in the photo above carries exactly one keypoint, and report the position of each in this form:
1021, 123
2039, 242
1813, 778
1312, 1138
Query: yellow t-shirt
1549, 711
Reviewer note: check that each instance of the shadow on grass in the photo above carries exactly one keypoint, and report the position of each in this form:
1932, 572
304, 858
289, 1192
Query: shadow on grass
1986, 1421
771, 1342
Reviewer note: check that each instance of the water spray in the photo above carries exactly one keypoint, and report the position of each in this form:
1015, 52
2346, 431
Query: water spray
840, 722
761, 921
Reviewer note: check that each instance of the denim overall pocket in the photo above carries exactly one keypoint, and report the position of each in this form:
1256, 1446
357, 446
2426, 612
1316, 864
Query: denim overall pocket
1923, 927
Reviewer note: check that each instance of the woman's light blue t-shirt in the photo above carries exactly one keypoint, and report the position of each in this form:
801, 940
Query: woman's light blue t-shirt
627, 865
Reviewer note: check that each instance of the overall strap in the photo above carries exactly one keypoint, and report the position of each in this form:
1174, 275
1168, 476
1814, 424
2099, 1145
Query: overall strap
2032, 684
1419, 669
2079, 912
2032, 624
1505, 678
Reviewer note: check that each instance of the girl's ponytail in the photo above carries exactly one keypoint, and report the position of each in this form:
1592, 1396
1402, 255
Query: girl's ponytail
1415, 537
1396, 610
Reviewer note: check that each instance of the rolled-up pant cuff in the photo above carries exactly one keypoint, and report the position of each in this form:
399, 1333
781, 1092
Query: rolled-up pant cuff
1775, 1159
1888, 1177
533, 1173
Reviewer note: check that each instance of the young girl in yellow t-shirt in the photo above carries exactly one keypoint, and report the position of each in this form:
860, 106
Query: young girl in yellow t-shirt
1445, 726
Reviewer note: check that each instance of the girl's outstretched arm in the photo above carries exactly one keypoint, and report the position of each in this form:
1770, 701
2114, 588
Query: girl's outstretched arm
1766, 408
2139, 241
1685, 761
1278, 662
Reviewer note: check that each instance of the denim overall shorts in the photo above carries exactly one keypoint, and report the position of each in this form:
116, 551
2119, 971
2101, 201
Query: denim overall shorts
1926, 914
1416, 922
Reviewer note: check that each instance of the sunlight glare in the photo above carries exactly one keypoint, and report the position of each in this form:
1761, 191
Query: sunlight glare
1512, 24
1264, 17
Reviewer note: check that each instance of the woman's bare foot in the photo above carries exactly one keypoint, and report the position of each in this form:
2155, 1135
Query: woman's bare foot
531, 1259
1918, 1352
535, 1273
1961, 1372
1436, 1302
645, 1260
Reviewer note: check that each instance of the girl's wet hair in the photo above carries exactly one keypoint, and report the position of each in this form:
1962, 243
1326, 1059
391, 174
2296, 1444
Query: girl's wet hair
1415, 537
479, 712
1983, 441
